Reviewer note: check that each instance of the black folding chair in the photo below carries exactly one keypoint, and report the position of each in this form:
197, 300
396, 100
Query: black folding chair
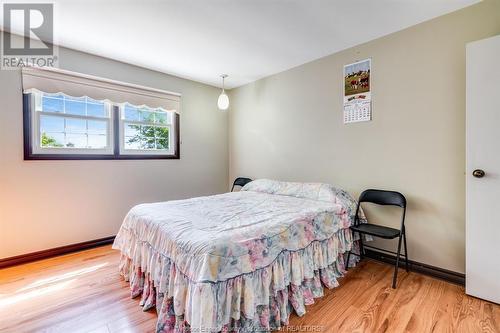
381, 197
240, 181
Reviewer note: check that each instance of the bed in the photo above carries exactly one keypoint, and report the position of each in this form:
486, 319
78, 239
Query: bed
240, 261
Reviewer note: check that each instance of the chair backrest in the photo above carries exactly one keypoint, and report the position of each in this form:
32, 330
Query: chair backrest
382, 197
240, 181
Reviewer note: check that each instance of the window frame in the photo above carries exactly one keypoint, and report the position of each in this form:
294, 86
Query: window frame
123, 122
39, 150
33, 151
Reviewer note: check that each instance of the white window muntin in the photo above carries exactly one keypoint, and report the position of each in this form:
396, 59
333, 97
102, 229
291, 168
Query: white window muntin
37, 112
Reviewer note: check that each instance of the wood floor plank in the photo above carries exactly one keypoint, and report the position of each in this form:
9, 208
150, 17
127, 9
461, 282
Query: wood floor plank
332, 311
427, 308
83, 293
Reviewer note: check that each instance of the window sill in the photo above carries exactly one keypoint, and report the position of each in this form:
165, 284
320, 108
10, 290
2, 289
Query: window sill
55, 157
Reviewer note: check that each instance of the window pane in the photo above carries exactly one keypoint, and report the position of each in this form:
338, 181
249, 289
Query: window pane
132, 143
52, 140
76, 125
97, 126
132, 130
52, 104
96, 110
161, 132
131, 113
73, 107
147, 115
146, 137
51, 124
162, 118
148, 131
76, 140
162, 143
148, 143
97, 141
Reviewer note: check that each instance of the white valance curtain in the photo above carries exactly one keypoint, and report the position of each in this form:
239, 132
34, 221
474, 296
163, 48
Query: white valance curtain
52, 80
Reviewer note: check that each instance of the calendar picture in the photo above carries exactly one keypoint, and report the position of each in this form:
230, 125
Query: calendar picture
357, 91
357, 77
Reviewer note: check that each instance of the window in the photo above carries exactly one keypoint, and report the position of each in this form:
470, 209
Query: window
145, 130
79, 121
70, 125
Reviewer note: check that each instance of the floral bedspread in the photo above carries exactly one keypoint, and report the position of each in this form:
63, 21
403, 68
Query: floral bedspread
225, 262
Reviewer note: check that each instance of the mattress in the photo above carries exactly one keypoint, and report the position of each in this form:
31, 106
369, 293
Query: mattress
236, 261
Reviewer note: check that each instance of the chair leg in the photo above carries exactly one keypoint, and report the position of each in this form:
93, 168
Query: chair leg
347, 262
349, 253
394, 279
406, 250
361, 248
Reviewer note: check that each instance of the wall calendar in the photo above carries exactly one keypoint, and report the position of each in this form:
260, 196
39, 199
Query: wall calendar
357, 92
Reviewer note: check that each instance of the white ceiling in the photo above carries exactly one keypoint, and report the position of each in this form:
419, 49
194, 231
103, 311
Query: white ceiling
247, 39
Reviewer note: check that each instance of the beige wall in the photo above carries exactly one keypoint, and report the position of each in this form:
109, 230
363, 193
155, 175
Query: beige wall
45, 204
289, 126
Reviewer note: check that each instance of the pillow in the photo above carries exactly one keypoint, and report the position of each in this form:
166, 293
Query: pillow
314, 191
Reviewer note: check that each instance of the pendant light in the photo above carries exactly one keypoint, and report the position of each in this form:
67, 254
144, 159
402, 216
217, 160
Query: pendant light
223, 101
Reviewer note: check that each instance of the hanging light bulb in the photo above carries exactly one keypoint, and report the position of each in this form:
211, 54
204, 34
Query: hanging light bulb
223, 101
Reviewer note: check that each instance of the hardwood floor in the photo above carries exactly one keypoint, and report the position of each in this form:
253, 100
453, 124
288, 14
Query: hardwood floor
82, 292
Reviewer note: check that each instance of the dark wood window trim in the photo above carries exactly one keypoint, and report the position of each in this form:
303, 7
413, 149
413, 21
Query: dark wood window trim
28, 142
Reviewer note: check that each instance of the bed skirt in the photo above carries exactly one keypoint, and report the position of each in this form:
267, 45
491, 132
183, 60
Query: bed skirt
258, 301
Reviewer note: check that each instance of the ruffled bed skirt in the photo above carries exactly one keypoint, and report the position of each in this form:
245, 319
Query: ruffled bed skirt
258, 301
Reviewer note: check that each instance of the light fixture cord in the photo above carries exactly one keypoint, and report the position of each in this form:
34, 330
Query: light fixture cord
223, 84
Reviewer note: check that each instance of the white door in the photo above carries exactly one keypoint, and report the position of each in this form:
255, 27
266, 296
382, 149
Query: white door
483, 154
